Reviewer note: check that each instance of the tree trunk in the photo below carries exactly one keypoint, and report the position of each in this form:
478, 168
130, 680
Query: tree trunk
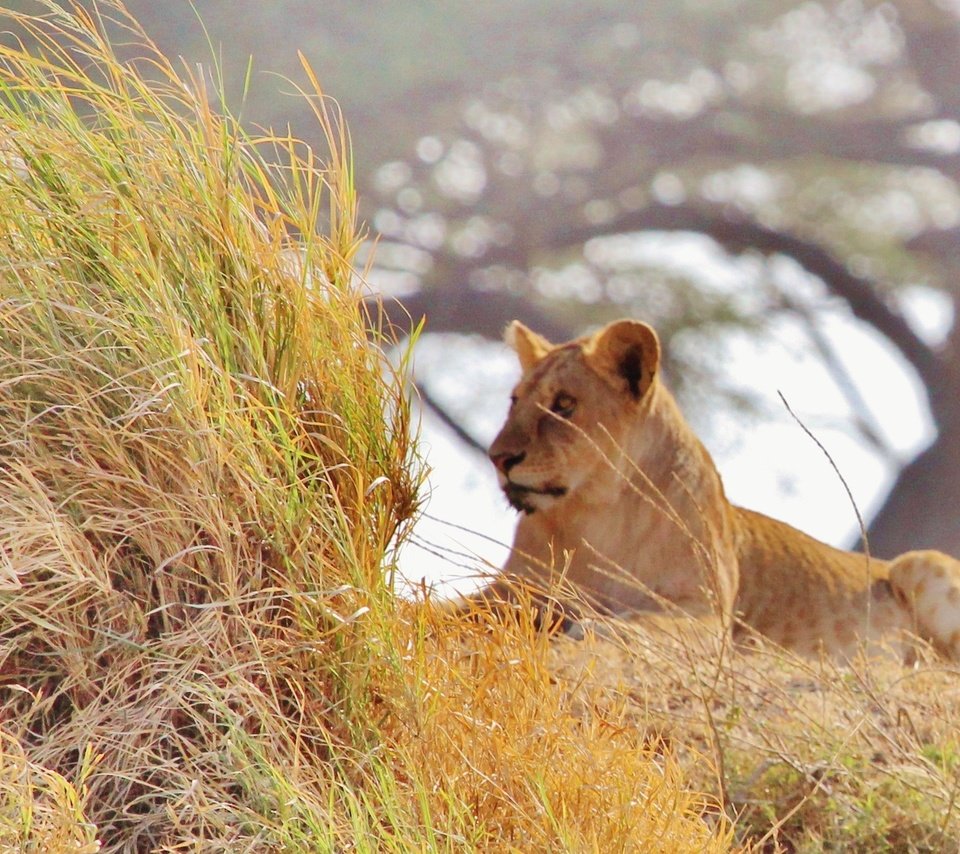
922, 509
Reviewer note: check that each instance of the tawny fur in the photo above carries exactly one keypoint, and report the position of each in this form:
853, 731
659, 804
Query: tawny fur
620, 497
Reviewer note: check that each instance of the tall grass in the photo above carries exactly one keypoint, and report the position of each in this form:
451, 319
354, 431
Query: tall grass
206, 465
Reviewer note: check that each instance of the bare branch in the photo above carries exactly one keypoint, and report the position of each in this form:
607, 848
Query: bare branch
934, 368
863, 417
464, 308
437, 409
739, 234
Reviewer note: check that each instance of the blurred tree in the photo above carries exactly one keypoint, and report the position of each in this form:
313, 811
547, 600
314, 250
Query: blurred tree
826, 133
510, 155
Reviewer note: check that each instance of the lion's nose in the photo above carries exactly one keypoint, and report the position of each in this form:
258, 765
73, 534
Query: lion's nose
507, 460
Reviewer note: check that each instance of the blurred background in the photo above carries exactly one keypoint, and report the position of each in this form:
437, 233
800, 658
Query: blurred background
773, 185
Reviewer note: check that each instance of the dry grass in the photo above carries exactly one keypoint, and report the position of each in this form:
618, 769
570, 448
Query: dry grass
39, 809
205, 468
544, 765
812, 756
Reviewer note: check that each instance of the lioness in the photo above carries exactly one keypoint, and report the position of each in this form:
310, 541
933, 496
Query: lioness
619, 496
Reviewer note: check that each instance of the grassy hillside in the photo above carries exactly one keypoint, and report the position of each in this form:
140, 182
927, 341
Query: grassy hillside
205, 468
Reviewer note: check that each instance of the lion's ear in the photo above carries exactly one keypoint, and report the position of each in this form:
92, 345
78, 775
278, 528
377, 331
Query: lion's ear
530, 347
626, 351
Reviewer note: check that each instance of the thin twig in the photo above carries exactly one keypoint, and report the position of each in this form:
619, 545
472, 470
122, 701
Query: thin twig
826, 453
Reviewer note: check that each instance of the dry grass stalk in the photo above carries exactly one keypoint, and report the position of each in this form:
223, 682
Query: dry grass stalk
814, 755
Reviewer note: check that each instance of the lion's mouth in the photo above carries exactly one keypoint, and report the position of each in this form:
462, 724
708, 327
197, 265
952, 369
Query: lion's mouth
519, 495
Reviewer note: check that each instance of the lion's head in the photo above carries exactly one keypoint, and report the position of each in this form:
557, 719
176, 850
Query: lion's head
571, 408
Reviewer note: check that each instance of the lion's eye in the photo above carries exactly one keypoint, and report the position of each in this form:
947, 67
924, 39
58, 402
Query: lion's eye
513, 400
563, 405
